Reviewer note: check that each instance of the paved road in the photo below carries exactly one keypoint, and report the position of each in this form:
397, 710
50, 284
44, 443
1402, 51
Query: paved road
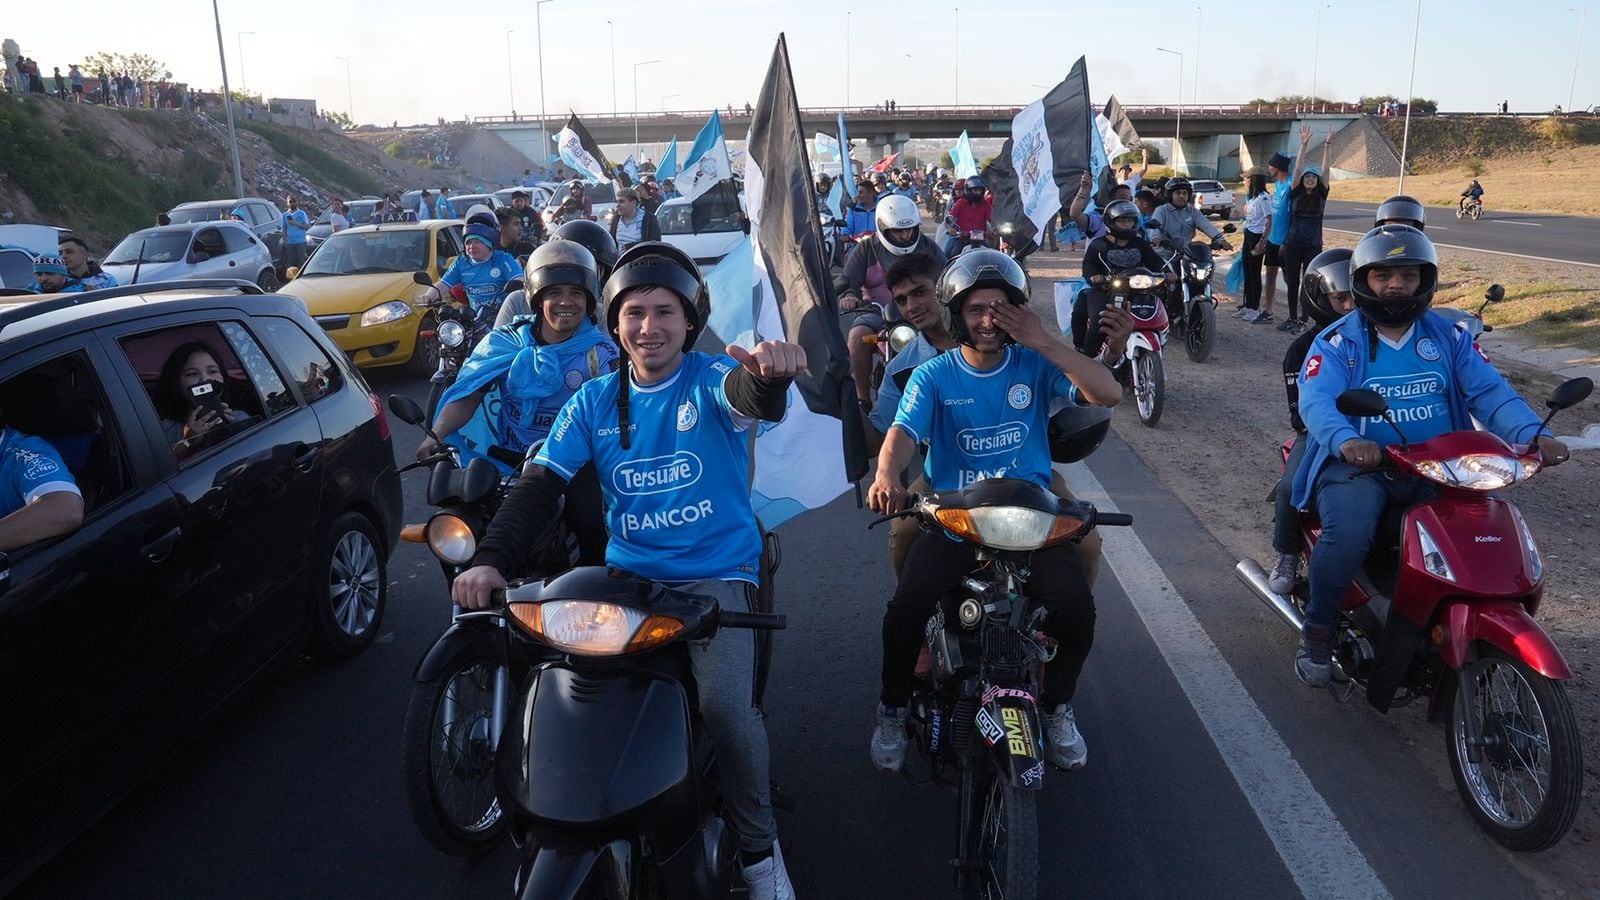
1563, 238
1225, 779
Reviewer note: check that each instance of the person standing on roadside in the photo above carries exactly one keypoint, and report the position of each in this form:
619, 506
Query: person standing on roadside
295, 225
339, 218
61, 84
443, 206
1307, 200
1257, 212
1279, 167
76, 78
75, 253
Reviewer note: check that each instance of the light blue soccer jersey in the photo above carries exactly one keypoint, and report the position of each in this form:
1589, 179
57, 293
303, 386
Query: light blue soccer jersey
29, 468
1413, 376
485, 282
678, 499
984, 423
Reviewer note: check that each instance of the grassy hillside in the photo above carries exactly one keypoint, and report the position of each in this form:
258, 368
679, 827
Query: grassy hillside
1538, 181
1438, 143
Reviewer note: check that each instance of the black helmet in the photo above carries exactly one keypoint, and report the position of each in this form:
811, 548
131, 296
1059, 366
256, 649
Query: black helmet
658, 264
1401, 210
974, 183
561, 262
1179, 184
977, 268
596, 239
1394, 245
1327, 273
1077, 431
1121, 209
824, 180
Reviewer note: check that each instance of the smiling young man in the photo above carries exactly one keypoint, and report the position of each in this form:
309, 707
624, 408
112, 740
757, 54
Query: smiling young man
668, 435
1006, 377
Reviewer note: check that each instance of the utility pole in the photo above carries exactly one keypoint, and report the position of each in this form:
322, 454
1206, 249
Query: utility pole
227, 106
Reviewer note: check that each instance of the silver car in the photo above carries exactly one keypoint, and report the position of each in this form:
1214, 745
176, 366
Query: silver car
224, 249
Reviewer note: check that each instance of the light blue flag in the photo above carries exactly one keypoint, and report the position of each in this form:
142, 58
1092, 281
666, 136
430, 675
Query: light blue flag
631, 169
847, 174
733, 314
668, 167
707, 164
961, 154
1098, 161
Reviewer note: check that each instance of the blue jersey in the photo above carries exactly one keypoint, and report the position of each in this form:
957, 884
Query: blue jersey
291, 234
1413, 375
915, 354
1280, 213
485, 281
990, 423
678, 499
29, 468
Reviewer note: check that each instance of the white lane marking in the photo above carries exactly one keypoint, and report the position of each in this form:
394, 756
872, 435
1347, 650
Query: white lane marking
1370, 209
1564, 262
1515, 222
1310, 840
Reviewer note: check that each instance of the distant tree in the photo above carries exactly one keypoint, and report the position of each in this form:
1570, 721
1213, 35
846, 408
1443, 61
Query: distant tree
340, 119
1293, 100
137, 65
946, 161
1132, 157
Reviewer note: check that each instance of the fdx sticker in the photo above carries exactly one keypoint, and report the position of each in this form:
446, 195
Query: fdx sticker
989, 728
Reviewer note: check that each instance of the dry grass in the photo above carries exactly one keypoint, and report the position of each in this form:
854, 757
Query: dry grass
1543, 181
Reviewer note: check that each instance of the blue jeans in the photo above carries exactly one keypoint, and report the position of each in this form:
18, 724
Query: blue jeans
1286, 519
1350, 502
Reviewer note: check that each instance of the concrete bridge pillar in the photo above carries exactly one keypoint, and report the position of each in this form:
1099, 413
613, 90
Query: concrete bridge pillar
1197, 157
1256, 149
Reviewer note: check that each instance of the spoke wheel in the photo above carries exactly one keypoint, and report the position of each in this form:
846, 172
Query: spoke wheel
1200, 337
449, 757
1149, 387
1007, 843
350, 592
1525, 786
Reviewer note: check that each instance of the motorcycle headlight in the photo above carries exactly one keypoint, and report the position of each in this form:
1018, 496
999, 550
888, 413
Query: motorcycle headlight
451, 333
1478, 471
1009, 527
1202, 273
385, 312
901, 336
1007, 228
451, 539
589, 628
1142, 282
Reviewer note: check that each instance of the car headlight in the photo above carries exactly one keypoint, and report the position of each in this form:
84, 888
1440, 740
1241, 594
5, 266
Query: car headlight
1009, 527
588, 628
385, 312
1202, 273
451, 333
1142, 282
901, 336
1478, 471
451, 539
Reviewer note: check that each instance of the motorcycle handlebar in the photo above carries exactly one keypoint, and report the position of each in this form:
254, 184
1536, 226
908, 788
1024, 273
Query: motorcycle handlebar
756, 621
1112, 518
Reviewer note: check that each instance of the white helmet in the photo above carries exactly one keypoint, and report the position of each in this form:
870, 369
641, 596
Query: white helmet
898, 212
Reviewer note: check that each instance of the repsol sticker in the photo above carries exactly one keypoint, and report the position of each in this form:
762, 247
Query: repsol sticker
657, 474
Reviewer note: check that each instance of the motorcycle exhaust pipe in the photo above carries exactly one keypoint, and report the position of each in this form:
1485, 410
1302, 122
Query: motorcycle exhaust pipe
1251, 573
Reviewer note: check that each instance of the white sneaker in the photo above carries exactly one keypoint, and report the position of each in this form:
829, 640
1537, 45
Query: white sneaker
768, 879
1250, 315
1064, 747
889, 739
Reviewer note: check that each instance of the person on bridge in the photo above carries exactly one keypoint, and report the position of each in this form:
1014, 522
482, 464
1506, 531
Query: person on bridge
1436, 379
983, 295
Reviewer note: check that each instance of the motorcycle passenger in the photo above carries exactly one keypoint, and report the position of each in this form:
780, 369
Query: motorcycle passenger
1093, 224
983, 296
859, 219
532, 222
1436, 380
1473, 194
592, 236
861, 284
824, 185
512, 239
701, 534
1179, 221
973, 211
1401, 210
576, 205
1325, 295
904, 188
1122, 247
483, 270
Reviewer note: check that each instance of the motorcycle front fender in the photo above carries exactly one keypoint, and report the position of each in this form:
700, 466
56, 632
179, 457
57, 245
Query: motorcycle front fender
1506, 626
1008, 720
474, 637
557, 869
1144, 340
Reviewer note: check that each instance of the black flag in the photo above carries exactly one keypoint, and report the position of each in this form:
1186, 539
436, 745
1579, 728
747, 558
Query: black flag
1060, 125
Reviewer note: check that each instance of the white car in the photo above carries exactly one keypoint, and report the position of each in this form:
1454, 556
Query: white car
19, 244
225, 249
1212, 197
602, 197
538, 195
706, 247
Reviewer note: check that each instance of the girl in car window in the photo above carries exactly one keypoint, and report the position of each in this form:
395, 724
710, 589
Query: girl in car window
182, 417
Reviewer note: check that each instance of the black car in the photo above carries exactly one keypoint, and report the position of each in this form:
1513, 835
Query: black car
261, 216
201, 559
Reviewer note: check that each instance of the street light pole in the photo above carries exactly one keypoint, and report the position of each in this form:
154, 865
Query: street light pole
544, 139
1316, 53
613, 67
665, 99
1411, 87
1199, 17
847, 59
1177, 137
956, 57
636, 102
244, 83
511, 73
349, 95
1577, 55
227, 105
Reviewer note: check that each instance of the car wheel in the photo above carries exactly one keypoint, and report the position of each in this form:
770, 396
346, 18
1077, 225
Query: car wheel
425, 352
268, 280
349, 588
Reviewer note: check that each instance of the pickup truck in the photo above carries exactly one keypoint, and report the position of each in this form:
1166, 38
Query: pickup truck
1212, 197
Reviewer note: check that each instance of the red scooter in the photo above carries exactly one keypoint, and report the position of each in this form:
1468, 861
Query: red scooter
1140, 291
1443, 610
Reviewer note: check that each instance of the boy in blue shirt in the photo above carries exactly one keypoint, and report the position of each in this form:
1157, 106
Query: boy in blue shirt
668, 436
984, 410
38, 497
483, 271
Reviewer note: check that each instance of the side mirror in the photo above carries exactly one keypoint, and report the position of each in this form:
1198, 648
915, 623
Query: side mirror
1569, 393
291, 273
1495, 294
1362, 403
422, 279
1230, 228
405, 409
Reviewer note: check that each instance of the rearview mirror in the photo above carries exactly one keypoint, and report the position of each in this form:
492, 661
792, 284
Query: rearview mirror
405, 409
422, 279
1569, 393
1362, 403
1495, 294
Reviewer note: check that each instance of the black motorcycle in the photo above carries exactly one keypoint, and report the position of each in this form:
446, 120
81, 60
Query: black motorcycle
973, 717
456, 330
1190, 306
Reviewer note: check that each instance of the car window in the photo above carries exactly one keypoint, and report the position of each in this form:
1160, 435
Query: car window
63, 402
16, 268
1207, 186
310, 367
209, 242
444, 246
197, 214
366, 252
237, 240
676, 219
600, 193
264, 213
172, 363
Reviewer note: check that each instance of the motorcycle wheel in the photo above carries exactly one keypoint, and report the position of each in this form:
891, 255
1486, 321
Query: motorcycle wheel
448, 760
1149, 387
1477, 213
1460, 213
1201, 336
1006, 841
1525, 788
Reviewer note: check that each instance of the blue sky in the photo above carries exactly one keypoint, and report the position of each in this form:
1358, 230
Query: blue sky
414, 61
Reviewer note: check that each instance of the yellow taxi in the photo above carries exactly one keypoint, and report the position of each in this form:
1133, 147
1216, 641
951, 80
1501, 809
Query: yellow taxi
361, 287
